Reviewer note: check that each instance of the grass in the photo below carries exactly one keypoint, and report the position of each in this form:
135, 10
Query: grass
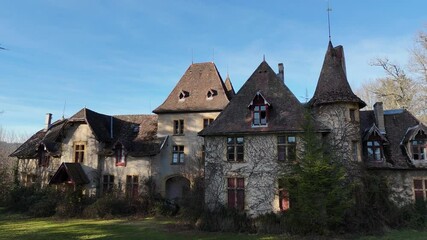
15, 226
21, 227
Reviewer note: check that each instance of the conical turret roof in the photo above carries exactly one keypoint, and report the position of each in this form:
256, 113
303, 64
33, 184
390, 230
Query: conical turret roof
332, 86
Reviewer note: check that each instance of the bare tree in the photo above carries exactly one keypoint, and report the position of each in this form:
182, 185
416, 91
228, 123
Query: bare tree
402, 87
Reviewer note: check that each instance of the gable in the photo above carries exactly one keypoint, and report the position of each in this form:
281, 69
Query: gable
285, 114
200, 89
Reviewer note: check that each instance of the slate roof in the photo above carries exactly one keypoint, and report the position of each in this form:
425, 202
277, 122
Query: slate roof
137, 133
70, 172
196, 82
48, 138
397, 123
285, 114
332, 86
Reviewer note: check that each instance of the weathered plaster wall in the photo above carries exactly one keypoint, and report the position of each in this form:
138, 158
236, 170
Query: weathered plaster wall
81, 133
163, 169
260, 169
140, 167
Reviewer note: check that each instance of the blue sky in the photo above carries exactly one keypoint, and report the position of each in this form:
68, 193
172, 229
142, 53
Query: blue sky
124, 57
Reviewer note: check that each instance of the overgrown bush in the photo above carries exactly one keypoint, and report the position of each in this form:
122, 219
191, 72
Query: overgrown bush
108, 206
192, 204
73, 203
224, 220
373, 210
270, 223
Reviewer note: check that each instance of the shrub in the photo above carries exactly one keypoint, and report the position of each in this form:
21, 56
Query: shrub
107, 207
224, 220
192, 205
270, 223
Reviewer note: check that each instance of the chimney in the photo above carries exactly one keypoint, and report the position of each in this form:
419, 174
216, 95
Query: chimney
281, 73
47, 121
379, 116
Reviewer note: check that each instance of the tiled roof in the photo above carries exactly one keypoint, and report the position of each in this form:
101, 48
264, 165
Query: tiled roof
285, 114
70, 172
197, 81
48, 138
397, 124
332, 86
136, 132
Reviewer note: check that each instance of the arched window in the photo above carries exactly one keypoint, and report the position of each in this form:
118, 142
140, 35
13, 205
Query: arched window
260, 110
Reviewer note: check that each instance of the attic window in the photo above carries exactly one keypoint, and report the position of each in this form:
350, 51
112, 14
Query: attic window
419, 146
211, 93
183, 94
135, 128
260, 108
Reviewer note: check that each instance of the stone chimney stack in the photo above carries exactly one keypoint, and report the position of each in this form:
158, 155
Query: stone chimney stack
379, 116
47, 121
281, 73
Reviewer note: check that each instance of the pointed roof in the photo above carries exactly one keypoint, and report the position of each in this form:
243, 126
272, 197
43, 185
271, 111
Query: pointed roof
285, 112
70, 173
190, 94
99, 123
229, 88
332, 86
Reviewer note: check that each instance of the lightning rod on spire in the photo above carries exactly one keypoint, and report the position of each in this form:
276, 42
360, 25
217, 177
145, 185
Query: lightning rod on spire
329, 21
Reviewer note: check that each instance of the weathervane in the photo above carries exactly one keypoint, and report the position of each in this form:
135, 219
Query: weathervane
329, 21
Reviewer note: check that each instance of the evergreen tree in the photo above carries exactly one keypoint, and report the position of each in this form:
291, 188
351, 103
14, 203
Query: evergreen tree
317, 187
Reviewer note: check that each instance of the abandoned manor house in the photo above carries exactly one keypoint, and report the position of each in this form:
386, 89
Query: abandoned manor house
237, 142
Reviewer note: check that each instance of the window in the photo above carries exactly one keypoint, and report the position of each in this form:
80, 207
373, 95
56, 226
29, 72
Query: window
178, 127
211, 93
108, 183
259, 115
44, 159
419, 146
420, 189
259, 107
120, 155
236, 193
79, 152
235, 149
352, 115
374, 148
283, 198
178, 154
132, 186
207, 122
286, 148
183, 94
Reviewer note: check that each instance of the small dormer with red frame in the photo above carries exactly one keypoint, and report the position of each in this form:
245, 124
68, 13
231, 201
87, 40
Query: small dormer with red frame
260, 110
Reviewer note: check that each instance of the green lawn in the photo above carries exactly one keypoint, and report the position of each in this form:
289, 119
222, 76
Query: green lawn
21, 227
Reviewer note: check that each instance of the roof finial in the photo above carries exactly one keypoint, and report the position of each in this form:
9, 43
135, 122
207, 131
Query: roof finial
63, 110
263, 57
192, 57
329, 21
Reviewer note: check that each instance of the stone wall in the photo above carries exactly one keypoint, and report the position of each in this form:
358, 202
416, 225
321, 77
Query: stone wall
260, 169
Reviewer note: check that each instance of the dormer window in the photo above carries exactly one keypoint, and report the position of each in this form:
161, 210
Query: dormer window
375, 150
260, 110
419, 146
183, 94
211, 93
120, 155
415, 143
43, 157
374, 142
